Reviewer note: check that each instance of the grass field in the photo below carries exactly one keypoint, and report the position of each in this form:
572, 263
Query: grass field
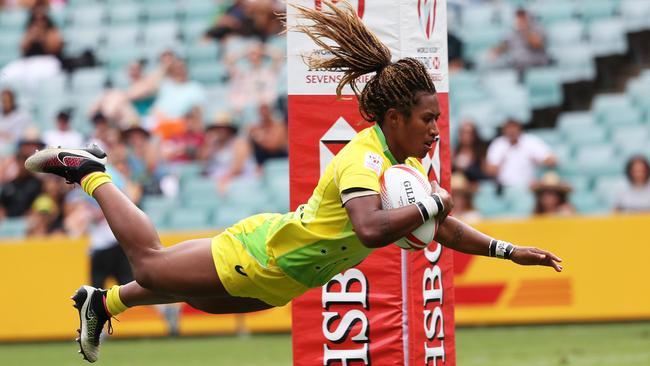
563, 345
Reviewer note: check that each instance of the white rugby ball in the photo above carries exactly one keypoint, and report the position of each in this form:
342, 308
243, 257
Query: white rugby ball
403, 185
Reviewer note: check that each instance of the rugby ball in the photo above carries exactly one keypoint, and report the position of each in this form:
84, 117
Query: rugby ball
403, 185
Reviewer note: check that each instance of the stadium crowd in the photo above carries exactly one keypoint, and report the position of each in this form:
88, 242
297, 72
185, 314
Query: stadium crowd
221, 110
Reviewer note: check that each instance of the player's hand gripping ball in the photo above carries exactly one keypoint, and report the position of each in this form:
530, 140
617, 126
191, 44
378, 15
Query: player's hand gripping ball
403, 185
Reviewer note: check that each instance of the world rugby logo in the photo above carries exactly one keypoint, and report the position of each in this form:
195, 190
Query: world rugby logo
361, 6
427, 16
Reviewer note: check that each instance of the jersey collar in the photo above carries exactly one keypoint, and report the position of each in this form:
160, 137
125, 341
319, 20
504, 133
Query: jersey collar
384, 145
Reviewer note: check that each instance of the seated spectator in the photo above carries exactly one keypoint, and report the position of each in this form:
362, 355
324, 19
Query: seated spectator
63, 135
469, 155
245, 18
177, 95
41, 48
128, 107
252, 80
227, 155
513, 157
144, 163
463, 195
523, 48
13, 120
186, 146
268, 136
635, 197
46, 214
18, 194
551, 196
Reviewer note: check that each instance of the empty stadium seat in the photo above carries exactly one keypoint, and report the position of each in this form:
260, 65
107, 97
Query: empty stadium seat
544, 86
160, 10
587, 203
189, 219
607, 36
89, 16
592, 135
591, 10
127, 13
88, 80
566, 33
15, 228
13, 19
160, 34
478, 16
553, 11
575, 121
576, 62
477, 41
635, 14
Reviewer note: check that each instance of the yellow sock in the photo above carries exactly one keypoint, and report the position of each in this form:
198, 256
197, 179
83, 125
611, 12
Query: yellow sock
114, 304
90, 182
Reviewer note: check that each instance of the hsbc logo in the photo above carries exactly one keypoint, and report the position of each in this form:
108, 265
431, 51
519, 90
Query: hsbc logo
334, 140
427, 16
361, 6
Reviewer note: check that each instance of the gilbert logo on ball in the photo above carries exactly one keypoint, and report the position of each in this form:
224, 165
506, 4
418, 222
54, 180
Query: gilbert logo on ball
403, 185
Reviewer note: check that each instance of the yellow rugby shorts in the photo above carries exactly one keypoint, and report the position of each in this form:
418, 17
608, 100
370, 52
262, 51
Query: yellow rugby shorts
243, 276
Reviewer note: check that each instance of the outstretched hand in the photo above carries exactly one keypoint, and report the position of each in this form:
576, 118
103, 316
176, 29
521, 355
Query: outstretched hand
530, 256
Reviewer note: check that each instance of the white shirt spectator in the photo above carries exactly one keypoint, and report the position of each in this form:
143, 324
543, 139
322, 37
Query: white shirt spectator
67, 138
517, 162
634, 199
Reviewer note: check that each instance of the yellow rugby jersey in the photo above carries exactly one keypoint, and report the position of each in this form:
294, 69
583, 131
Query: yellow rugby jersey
317, 241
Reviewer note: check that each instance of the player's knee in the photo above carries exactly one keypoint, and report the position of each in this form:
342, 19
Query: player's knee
146, 274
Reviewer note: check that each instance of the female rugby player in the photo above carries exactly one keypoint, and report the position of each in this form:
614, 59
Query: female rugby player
268, 259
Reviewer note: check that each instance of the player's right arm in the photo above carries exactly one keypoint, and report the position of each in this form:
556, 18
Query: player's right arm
377, 227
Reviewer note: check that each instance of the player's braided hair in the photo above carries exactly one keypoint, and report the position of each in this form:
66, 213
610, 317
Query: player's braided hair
357, 51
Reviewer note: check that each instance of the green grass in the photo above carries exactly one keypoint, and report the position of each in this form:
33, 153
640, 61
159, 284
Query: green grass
559, 345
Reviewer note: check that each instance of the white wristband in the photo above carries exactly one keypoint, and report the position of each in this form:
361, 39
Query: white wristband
433, 204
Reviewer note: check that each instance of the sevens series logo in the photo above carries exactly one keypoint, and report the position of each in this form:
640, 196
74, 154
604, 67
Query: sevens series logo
427, 16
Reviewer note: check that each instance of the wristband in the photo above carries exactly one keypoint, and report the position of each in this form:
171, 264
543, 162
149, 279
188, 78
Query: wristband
500, 249
430, 206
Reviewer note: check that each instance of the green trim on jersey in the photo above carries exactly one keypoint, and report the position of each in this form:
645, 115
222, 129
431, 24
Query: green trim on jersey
384, 145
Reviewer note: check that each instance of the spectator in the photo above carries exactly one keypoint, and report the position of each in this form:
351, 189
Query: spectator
186, 147
551, 196
18, 194
41, 49
63, 135
523, 48
635, 197
13, 120
513, 157
469, 155
144, 163
268, 137
247, 18
46, 215
127, 107
228, 156
463, 195
176, 97
256, 82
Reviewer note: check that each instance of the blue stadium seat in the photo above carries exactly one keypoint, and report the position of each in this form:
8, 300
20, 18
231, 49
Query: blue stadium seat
88, 80
160, 11
478, 41
592, 135
121, 37
200, 10
13, 19
639, 91
192, 31
553, 11
544, 86
490, 206
575, 121
190, 219
478, 16
160, 34
635, 14
208, 72
607, 36
576, 62
200, 186
607, 188
203, 52
14, 228
159, 203
551, 136
127, 13
616, 110
91, 15
79, 39
592, 10
587, 203
565, 33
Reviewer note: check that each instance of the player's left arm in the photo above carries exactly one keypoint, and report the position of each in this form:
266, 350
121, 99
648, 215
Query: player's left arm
459, 236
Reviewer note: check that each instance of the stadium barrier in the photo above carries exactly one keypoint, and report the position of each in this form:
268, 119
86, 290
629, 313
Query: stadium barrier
604, 258
40, 275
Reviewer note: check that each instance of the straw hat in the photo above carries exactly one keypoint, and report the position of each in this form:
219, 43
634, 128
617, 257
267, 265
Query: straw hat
222, 119
551, 181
